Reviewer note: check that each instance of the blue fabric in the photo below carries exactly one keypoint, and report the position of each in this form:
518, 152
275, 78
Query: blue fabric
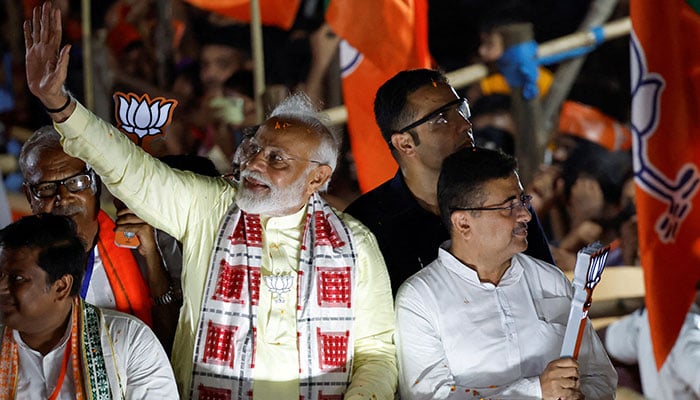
518, 64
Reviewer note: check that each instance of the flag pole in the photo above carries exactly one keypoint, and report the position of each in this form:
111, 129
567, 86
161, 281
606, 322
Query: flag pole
258, 59
466, 76
88, 79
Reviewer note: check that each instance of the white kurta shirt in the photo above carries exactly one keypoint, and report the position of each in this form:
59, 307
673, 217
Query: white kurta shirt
629, 340
137, 366
100, 291
457, 337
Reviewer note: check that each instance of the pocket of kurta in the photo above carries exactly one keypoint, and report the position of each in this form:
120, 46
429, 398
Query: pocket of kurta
553, 310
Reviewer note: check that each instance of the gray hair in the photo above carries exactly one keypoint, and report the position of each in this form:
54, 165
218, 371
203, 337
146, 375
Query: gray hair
299, 107
44, 138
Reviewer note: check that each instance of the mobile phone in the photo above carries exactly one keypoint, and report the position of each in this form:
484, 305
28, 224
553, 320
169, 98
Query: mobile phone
126, 239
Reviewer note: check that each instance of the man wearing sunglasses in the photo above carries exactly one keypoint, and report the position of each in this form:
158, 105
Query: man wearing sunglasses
484, 320
423, 120
57, 183
283, 298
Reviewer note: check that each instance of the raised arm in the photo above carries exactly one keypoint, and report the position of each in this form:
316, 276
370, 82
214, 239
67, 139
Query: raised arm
47, 62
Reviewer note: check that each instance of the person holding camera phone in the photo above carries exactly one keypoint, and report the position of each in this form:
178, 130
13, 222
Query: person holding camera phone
57, 183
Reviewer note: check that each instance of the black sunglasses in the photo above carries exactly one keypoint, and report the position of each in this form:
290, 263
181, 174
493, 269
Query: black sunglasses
463, 110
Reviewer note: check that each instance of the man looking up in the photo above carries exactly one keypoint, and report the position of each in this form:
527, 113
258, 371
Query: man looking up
282, 296
484, 319
46, 327
423, 120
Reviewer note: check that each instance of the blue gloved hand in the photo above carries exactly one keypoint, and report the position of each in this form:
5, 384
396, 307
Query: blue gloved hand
518, 64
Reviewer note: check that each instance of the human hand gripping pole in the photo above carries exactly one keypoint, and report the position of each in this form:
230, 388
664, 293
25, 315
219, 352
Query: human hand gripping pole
590, 263
47, 62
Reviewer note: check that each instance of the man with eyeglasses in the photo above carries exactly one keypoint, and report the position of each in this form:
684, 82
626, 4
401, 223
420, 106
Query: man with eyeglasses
283, 298
423, 120
115, 277
485, 320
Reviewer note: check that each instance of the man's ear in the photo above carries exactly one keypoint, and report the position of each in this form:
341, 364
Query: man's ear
461, 224
403, 142
62, 286
317, 178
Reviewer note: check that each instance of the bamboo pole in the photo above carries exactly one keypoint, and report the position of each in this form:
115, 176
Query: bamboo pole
163, 42
88, 78
473, 73
567, 72
258, 59
527, 113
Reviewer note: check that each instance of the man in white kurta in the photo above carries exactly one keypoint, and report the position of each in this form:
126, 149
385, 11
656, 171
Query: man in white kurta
137, 366
629, 340
484, 320
53, 345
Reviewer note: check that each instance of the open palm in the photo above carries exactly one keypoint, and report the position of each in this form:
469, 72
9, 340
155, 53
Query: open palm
46, 67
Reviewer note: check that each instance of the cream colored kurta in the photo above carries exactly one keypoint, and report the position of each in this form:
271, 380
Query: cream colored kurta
190, 208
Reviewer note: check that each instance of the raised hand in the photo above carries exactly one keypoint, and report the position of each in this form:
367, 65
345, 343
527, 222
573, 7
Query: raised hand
46, 61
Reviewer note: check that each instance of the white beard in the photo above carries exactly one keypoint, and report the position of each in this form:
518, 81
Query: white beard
273, 203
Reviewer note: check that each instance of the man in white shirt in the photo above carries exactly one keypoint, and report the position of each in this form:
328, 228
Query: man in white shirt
54, 345
283, 297
629, 340
484, 319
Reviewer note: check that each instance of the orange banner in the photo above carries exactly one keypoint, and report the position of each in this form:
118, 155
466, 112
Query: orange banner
665, 69
382, 38
279, 13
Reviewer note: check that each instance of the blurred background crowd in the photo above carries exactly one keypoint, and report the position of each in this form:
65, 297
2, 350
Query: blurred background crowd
582, 188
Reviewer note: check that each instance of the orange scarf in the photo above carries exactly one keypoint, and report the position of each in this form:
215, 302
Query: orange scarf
131, 292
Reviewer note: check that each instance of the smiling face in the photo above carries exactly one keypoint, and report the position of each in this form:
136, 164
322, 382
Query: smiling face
437, 139
28, 303
279, 174
82, 206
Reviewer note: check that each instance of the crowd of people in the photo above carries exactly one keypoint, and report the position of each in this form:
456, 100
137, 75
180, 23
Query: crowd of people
229, 268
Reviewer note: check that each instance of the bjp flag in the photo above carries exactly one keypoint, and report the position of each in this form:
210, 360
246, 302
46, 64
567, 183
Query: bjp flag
381, 38
665, 82
279, 13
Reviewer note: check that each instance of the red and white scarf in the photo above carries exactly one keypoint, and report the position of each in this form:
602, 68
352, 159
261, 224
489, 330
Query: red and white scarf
224, 356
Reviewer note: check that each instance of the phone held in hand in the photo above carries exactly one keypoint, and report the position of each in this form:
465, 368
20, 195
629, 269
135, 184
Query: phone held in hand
126, 239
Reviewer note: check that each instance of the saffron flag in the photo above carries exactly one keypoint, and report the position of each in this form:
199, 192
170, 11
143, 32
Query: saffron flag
665, 83
381, 38
279, 13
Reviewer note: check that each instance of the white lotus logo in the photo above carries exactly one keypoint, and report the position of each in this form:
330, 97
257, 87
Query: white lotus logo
279, 285
677, 192
141, 116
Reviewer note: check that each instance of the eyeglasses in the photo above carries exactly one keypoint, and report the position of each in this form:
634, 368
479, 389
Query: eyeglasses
440, 116
524, 201
275, 158
74, 184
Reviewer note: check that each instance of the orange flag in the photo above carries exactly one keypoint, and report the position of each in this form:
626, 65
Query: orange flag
279, 13
381, 38
665, 77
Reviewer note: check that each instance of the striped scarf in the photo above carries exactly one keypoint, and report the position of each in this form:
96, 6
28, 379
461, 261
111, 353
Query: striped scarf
88, 363
224, 356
